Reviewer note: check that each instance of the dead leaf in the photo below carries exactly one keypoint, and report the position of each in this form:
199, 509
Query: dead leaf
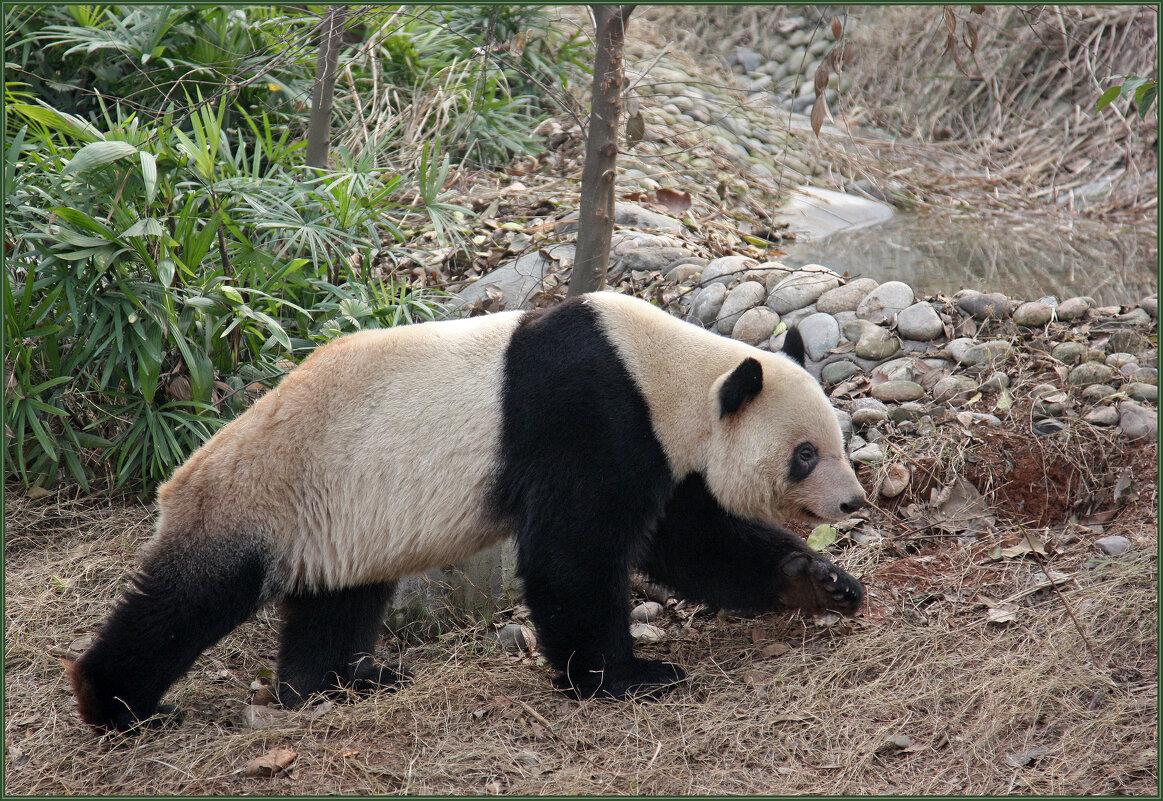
37, 492
635, 128
897, 742
273, 762
755, 677
836, 28
1003, 613
818, 109
1023, 758
1027, 544
1124, 494
673, 200
1098, 518
821, 77
774, 649
959, 505
759, 635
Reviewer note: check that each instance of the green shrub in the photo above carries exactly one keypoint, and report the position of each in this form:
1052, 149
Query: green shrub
152, 273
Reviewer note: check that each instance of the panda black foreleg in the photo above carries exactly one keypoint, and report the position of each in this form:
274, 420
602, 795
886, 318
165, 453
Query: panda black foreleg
328, 638
182, 602
578, 593
710, 555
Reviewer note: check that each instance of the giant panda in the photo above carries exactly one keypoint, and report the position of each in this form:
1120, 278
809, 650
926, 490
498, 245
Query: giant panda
603, 433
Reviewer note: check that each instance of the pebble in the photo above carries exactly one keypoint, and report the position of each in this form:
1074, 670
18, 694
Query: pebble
920, 322
1034, 313
868, 454
868, 417
821, 333
1127, 341
634, 216
726, 270
995, 350
793, 318
908, 411
1134, 317
1150, 304
1096, 392
898, 391
1073, 308
877, 344
515, 637
1147, 375
954, 389
1102, 416
896, 480
707, 303
755, 325
1137, 422
996, 382
646, 612
1090, 373
991, 420
959, 347
739, 300
845, 421
685, 270
1148, 393
1119, 360
1113, 545
652, 258
884, 303
846, 297
982, 306
838, 371
868, 403
801, 288
896, 370
1069, 352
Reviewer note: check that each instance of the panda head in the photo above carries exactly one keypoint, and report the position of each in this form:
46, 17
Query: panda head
776, 452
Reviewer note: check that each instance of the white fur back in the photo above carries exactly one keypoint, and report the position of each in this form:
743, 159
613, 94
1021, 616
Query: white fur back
368, 462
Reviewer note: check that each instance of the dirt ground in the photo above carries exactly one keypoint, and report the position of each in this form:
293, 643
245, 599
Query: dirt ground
977, 667
966, 673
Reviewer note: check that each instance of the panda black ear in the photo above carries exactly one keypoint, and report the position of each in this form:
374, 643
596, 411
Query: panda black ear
743, 384
793, 345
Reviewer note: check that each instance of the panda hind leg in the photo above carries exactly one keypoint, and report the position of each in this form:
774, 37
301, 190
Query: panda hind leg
183, 600
328, 638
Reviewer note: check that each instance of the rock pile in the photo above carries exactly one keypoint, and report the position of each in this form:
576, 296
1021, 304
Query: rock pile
938, 350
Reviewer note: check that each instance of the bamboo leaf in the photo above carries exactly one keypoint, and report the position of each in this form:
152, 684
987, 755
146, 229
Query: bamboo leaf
149, 175
98, 154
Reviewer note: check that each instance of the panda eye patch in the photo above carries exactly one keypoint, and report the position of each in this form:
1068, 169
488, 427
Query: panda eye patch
803, 461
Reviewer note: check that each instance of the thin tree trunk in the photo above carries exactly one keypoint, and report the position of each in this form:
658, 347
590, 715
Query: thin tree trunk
596, 212
323, 94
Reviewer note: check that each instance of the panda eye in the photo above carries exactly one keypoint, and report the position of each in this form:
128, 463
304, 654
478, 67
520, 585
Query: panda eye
803, 461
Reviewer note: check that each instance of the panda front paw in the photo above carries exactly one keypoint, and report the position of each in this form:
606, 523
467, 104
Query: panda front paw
640, 680
813, 584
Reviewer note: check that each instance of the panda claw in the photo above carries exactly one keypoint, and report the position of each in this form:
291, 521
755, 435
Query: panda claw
817, 585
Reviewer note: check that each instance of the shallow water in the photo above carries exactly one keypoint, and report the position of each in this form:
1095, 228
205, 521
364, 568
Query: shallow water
1025, 260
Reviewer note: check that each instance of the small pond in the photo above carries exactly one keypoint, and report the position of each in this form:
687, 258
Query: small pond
1112, 264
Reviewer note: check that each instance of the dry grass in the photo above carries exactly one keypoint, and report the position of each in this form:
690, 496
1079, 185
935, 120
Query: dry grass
1014, 121
975, 699
1007, 128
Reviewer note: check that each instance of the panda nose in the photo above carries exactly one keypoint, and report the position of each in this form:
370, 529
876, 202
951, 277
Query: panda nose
852, 504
